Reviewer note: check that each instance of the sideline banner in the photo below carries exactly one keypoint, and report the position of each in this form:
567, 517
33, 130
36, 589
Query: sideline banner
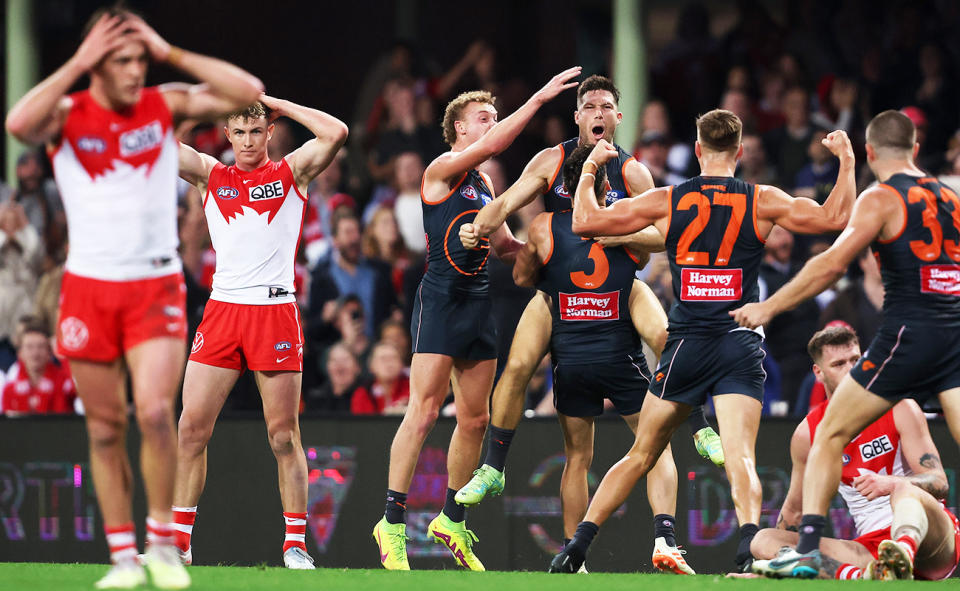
48, 510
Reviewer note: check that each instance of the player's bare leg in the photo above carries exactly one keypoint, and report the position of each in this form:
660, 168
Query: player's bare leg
280, 392
950, 403
739, 419
578, 448
156, 367
922, 538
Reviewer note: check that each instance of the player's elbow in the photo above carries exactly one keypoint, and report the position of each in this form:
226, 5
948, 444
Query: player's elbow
584, 228
17, 127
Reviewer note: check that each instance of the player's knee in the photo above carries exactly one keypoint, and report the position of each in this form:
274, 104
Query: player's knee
283, 440
475, 424
518, 366
192, 435
579, 459
155, 418
423, 417
105, 433
764, 545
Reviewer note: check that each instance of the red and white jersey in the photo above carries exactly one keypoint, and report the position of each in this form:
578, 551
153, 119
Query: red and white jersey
53, 393
876, 449
117, 175
254, 220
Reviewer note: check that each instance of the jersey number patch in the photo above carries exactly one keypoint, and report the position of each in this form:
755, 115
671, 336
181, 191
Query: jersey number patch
601, 268
930, 251
736, 201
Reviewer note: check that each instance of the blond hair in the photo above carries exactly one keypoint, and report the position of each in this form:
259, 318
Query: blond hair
455, 109
719, 130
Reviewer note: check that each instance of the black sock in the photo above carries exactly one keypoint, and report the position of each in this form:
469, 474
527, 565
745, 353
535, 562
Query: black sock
577, 548
566, 542
747, 531
663, 528
697, 420
452, 509
811, 528
396, 507
498, 444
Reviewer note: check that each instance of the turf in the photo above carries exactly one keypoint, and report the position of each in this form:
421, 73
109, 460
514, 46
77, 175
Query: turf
42, 577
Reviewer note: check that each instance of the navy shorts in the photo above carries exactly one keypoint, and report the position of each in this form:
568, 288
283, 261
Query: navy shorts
910, 361
450, 324
579, 389
695, 366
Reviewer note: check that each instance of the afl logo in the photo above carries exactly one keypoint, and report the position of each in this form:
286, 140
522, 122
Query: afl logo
227, 193
846, 459
469, 192
74, 334
91, 143
282, 346
197, 343
562, 191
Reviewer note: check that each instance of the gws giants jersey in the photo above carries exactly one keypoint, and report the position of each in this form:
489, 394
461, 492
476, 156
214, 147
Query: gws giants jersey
557, 198
254, 220
876, 449
117, 175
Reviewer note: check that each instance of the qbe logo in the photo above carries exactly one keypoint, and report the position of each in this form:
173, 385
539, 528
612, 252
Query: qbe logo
141, 139
267, 191
876, 447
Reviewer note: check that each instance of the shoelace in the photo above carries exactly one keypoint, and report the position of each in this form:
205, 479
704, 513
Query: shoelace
398, 541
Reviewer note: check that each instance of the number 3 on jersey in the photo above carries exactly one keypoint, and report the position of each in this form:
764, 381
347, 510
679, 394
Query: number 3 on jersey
736, 201
930, 251
601, 268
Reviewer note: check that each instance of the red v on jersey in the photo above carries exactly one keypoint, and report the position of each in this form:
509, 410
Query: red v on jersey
263, 189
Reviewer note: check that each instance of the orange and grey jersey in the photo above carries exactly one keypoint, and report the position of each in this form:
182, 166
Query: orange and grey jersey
590, 288
557, 198
920, 266
451, 268
714, 250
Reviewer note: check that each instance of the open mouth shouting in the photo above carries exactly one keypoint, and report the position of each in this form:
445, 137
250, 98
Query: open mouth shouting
597, 131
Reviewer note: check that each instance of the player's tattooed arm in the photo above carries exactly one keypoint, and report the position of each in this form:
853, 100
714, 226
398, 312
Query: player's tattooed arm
828, 567
933, 481
783, 524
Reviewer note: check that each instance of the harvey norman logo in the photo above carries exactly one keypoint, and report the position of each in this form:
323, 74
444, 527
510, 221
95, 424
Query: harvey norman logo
590, 306
942, 279
711, 285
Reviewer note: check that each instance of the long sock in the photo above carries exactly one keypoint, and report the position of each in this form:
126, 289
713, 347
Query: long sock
159, 534
566, 542
846, 572
811, 529
296, 532
396, 511
452, 509
697, 420
747, 532
910, 543
498, 445
663, 528
183, 520
122, 541
577, 548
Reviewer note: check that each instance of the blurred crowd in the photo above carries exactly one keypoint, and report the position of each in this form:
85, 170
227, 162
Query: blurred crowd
821, 66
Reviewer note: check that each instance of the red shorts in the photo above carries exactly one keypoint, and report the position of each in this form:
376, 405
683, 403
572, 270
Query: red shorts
262, 338
871, 540
100, 320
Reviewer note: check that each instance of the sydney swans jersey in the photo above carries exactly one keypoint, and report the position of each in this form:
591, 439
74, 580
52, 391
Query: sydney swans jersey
921, 265
254, 219
715, 251
117, 175
557, 198
876, 449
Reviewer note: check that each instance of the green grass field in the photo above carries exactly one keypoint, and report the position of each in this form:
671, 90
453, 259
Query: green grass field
16, 576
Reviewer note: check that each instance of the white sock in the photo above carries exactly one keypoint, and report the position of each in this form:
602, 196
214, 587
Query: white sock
909, 519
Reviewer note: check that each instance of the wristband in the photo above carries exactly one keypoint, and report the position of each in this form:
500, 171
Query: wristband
175, 55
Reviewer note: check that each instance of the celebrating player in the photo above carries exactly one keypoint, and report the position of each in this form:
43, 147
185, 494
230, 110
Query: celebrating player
596, 353
451, 327
597, 117
714, 226
254, 211
913, 224
122, 301
892, 465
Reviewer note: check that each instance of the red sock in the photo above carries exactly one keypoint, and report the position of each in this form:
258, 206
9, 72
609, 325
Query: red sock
159, 534
183, 520
122, 541
296, 530
910, 544
848, 571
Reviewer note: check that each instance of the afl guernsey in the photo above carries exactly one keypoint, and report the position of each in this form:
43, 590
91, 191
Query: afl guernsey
876, 449
117, 175
590, 289
254, 219
557, 198
452, 268
714, 251
921, 265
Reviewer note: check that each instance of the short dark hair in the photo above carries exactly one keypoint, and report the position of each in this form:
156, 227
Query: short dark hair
118, 8
597, 82
719, 130
832, 336
573, 166
892, 129
340, 214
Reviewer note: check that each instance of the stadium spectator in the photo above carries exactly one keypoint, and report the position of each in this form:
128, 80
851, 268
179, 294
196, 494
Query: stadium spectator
382, 246
408, 170
343, 385
38, 195
21, 254
787, 146
753, 164
323, 196
859, 304
35, 384
389, 391
816, 179
653, 152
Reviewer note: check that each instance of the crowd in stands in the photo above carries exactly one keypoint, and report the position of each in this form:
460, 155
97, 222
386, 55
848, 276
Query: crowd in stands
791, 80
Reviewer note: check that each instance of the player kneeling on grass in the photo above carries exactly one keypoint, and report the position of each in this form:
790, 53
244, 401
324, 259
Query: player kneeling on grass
892, 480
